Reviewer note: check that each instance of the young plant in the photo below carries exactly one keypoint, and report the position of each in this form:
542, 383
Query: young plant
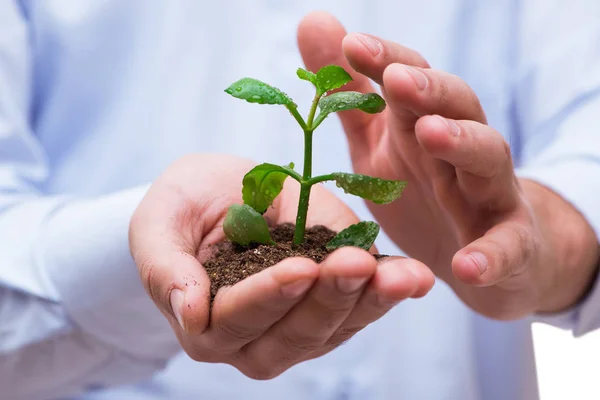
244, 224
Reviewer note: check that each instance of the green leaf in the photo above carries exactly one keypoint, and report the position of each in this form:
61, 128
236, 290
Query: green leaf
255, 91
332, 77
243, 225
361, 235
263, 183
379, 191
371, 103
307, 76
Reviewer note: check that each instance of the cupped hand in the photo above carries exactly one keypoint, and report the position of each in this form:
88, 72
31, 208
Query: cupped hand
464, 212
293, 311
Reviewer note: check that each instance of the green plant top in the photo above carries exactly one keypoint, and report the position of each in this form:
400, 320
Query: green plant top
244, 224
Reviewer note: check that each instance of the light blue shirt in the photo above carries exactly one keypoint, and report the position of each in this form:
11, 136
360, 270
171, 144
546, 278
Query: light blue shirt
98, 97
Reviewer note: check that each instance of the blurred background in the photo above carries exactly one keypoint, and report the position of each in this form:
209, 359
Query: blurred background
567, 367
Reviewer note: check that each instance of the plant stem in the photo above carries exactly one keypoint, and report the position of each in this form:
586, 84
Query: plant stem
313, 110
302, 213
294, 175
306, 183
321, 178
305, 186
297, 117
307, 174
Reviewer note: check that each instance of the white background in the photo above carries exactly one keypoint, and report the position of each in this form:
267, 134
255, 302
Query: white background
568, 368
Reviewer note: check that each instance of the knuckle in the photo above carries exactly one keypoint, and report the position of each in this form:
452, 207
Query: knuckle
444, 97
491, 167
526, 243
334, 305
343, 335
507, 267
301, 344
506, 153
226, 332
339, 306
147, 270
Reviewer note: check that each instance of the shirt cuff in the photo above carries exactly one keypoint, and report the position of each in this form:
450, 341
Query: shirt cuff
86, 256
574, 179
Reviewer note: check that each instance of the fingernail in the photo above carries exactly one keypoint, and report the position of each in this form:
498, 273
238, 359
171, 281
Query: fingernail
177, 302
480, 260
350, 285
370, 43
418, 76
452, 126
296, 289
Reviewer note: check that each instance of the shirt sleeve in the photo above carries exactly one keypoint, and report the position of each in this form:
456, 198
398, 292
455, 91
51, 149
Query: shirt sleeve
73, 311
558, 102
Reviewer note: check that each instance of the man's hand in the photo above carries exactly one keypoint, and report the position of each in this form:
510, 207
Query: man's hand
507, 247
293, 311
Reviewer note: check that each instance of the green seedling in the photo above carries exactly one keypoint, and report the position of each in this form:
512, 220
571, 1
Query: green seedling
244, 224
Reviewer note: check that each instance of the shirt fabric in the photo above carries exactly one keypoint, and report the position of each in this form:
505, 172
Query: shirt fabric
98, 97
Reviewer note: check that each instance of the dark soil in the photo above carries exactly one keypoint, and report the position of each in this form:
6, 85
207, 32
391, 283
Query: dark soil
230, 263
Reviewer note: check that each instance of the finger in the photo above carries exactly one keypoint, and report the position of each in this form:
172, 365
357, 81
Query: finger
396, 279
306, 328
246, 310
171, 274
417, 91
320, 38
480, 156
504, 251
370, 55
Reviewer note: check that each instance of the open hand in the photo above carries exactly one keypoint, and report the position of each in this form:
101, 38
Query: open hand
464, 212
293, 311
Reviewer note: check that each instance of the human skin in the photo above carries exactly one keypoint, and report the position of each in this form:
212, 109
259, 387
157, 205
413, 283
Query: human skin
508, 247
285, 314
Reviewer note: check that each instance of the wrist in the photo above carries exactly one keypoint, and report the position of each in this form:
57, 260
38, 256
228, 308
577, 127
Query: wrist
567, 263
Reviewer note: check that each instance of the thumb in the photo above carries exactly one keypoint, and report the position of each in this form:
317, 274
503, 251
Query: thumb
170, 272
506, 250
320, 37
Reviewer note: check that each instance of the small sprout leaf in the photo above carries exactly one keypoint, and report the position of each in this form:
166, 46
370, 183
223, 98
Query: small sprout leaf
263, 183
243, 225
255, 91
361, 235
332, 77
307, 76
379, 191
371, 103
